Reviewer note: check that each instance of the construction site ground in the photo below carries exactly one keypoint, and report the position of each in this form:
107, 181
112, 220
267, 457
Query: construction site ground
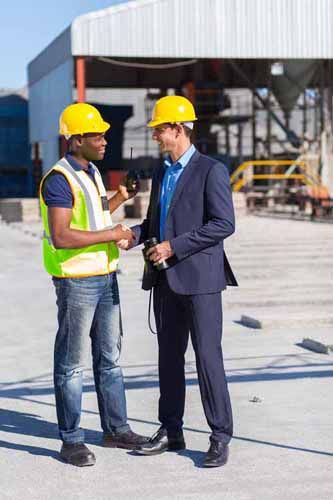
281, 393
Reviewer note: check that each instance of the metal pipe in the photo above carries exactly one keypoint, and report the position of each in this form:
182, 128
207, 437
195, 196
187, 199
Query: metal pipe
227, 138
254, 127
269, 123
81, 79
322, 99
304, 115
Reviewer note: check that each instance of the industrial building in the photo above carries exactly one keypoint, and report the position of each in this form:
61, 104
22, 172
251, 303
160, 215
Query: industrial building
16, 173
260, 74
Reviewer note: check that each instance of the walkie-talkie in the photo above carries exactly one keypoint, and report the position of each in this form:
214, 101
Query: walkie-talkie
132, 178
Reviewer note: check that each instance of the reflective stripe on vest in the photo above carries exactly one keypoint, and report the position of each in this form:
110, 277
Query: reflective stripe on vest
89, 213
64, 164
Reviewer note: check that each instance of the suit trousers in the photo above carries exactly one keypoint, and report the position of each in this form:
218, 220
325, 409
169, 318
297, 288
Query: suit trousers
176, 317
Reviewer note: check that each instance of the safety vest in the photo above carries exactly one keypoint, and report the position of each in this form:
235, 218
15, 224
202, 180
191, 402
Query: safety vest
90, 213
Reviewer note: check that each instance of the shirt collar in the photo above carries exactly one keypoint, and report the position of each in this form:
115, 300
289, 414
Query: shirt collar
75, 164
182, 161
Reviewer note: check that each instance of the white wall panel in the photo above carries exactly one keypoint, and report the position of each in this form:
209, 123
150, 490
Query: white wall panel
47, 98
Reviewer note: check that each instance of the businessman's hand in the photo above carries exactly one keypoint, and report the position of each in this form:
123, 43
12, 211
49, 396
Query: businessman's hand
124, 244
122, 232
160, 252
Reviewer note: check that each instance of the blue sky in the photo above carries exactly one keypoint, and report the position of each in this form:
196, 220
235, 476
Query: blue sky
27, 27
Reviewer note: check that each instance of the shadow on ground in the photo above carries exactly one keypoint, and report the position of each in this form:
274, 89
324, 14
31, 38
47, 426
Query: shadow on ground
29, 390
27, 424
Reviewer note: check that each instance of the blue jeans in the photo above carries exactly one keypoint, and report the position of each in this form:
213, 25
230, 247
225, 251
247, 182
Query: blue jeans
88, 307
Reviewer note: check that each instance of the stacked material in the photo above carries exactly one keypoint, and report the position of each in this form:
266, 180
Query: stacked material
141, 200
239, 200
119, 214
140, 205
20, 209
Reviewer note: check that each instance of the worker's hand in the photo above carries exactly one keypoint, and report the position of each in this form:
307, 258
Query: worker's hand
122, 232
125, 194
159, 253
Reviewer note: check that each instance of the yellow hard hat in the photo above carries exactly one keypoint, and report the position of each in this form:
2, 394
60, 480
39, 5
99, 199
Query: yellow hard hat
172, 109
81, 118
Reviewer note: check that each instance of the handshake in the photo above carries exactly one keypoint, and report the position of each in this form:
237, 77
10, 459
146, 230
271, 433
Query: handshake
156, 253
123, 236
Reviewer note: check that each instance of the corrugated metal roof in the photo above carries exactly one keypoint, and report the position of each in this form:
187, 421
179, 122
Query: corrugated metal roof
208, 29
240, 29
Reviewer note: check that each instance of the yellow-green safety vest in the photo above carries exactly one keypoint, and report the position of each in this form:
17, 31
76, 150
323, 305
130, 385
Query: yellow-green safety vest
90, 213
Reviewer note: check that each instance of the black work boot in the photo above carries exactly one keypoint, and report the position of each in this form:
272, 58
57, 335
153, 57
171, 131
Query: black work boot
128, 440
77, 454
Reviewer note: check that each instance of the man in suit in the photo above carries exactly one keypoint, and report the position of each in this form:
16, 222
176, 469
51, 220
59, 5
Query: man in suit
191, 213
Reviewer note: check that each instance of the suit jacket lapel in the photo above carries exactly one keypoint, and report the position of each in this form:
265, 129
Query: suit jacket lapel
184, 178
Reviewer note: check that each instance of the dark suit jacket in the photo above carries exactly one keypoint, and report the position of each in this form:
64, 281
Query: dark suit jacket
200, 217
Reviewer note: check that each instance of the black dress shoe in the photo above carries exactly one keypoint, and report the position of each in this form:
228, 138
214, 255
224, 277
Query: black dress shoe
161, 442
77, 454
128, 440
217, 454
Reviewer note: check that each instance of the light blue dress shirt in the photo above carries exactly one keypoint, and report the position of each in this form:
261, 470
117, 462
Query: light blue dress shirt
173, 171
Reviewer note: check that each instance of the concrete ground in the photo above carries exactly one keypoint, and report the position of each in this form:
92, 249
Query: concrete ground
283, 443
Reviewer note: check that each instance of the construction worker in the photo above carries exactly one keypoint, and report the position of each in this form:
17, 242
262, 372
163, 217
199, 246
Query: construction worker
81, 255
191, 213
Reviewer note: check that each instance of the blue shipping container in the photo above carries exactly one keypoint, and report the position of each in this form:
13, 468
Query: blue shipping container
15, 158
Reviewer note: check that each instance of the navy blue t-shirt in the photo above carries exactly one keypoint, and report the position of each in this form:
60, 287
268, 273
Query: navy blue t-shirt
56, 190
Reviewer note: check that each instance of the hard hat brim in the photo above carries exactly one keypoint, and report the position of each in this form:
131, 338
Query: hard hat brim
156, 123
104, 126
